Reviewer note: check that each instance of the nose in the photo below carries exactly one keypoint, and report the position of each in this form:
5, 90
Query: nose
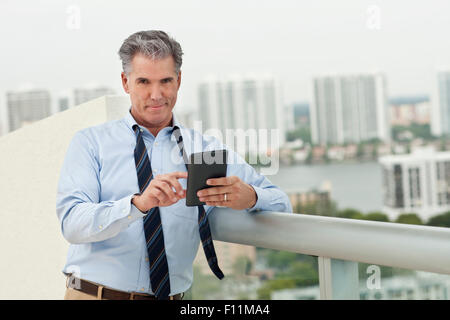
156, 93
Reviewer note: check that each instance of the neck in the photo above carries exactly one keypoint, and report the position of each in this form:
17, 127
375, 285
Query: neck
153, 129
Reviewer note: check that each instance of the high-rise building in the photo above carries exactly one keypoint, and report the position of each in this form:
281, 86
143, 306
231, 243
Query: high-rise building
350, 108
242, 102
81, 95
24, 107
440, 111
416, 183
405, 111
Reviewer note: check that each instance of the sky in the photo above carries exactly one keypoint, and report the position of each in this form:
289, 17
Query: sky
59, 44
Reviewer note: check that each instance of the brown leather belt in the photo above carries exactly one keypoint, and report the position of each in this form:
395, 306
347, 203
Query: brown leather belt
110, 294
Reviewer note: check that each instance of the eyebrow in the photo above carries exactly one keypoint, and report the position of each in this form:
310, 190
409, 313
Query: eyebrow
164, 79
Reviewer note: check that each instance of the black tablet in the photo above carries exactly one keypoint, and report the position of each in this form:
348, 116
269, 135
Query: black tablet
201, 167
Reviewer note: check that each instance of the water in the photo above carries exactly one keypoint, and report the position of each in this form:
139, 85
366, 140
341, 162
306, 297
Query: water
353, 185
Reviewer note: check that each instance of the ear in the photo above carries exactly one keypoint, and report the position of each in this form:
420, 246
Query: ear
179, 79
125, 82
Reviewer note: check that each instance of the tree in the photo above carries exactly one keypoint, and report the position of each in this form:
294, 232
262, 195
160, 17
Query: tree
324, 207
303, 273
418, 131
264, 292
409, 218
350, 214
242, 266
303, 133
442, 220
280, 259
203, 286
360, 150
376, 216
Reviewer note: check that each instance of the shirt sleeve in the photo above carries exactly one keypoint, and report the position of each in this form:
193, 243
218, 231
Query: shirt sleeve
82, 217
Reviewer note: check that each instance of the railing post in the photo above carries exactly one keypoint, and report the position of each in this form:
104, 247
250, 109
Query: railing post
338, 279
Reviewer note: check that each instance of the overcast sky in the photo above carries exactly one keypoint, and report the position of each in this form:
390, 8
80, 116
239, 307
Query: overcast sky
295, 40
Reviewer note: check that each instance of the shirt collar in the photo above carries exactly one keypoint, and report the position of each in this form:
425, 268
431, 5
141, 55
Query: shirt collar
130, 122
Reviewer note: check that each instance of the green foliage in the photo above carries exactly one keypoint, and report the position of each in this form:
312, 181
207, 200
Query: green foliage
292, 270
376, 216
302, 273
360, 151
409, 218
261, 160
303, 133
442, 220
203, 286
309, 157
350, 214
322, 208
265, 291
385, 272
418, 130
242, 266
280, 259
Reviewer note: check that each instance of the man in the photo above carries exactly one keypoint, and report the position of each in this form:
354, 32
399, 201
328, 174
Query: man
121, 193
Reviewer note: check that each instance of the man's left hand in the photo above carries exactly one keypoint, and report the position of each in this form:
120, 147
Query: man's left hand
229, 192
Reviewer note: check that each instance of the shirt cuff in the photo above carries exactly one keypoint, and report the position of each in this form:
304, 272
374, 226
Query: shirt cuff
262, 200
135, 213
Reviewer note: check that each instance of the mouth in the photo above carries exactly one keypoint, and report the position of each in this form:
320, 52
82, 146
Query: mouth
156, 107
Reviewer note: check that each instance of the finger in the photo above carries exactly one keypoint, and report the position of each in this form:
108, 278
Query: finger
219, 197
165, 187
212, 191
218, 203
159, 195
173, 182
224, 181
179, 174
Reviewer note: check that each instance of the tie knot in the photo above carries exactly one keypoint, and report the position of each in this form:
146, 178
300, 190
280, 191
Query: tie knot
137, 129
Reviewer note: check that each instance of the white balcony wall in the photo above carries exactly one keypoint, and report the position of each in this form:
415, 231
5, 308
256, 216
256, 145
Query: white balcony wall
33, 251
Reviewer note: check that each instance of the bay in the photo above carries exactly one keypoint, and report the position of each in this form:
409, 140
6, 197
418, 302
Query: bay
353, 185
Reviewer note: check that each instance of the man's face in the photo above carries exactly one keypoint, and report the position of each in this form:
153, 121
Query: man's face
153, 86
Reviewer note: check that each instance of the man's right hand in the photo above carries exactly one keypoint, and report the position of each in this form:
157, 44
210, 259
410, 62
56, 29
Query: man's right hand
159, 192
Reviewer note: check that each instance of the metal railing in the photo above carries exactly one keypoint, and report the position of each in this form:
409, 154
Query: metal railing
338, 243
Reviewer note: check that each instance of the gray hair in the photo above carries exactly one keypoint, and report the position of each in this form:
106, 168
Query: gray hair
154, 44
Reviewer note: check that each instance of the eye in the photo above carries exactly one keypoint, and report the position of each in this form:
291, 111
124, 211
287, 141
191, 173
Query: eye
166, 80
143, 81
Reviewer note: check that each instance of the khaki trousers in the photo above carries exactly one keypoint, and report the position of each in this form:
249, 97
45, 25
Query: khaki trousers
72, 294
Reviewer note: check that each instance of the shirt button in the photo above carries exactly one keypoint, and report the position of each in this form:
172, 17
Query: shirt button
142, 130
155, 170
129, 217
100, 227
156, 143
146, 259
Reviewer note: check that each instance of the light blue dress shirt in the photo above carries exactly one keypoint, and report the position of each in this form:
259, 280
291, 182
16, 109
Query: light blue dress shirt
105, 230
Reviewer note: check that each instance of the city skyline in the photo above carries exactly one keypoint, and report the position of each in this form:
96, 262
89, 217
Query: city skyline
294, 41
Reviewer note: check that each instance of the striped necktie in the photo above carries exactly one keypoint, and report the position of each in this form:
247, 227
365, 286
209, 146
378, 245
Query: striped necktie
154, 236
203, 224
